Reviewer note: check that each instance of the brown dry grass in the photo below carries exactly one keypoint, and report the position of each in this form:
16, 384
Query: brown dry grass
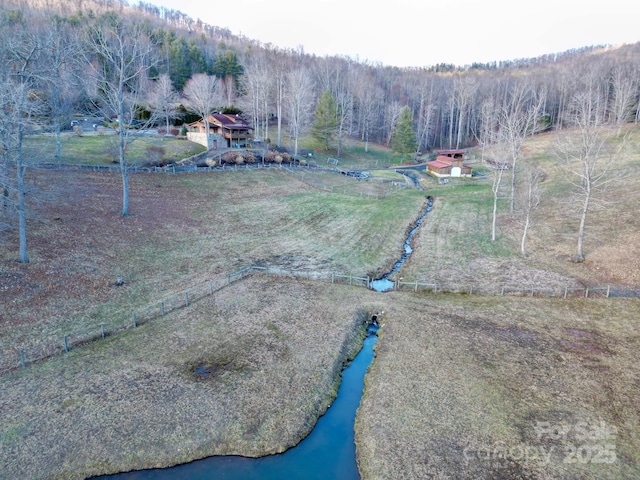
457, 375
451, 371
184, 229
271, 351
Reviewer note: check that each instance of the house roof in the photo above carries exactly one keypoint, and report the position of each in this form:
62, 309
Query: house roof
228, 121
447, 160
438, 164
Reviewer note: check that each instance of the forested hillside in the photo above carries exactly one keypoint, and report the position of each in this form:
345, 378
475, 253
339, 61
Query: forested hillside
452, 106
137, 64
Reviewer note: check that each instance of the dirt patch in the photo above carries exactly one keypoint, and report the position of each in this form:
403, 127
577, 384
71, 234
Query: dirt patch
584, 342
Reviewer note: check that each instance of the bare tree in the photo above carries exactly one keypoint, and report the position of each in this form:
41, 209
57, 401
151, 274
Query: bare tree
624, 85
20, 104
258, 82
391, 119
465, 88
426, 115
299, 102
489, 140
368, 98
530, 201
588, 152
163, 99
517, 120
202, 96
62, 82
118, 55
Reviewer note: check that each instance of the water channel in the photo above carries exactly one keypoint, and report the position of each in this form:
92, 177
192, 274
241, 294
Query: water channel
383, 283
328, 451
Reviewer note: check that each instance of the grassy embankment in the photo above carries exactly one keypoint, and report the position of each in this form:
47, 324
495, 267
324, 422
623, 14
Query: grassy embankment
452, 372
247, 371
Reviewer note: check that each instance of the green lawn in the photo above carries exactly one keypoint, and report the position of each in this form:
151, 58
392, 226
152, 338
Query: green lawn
96, 149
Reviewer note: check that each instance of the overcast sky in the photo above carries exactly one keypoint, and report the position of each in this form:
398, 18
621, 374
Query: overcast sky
420, 33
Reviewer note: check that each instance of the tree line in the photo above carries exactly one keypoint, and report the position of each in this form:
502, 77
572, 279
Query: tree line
143, 63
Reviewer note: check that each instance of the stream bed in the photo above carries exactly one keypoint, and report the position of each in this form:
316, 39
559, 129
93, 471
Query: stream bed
383, 283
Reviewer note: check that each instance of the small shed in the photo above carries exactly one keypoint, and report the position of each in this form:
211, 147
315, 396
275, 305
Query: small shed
449, 163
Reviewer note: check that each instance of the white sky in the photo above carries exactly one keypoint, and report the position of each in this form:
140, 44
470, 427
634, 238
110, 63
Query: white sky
424, 32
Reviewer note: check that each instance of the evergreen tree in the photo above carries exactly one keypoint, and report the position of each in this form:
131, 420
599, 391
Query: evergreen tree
326, 119
228, 69
404, 137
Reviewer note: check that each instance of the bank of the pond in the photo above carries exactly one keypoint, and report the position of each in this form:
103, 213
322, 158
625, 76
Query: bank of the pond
328, 452
275, 348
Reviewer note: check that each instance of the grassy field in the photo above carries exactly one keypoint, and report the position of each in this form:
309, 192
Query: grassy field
184, 229
96, 149
455, 249
477, 387
246, 372
455, 376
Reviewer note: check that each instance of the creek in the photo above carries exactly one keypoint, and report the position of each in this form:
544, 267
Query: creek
383, 283
329, 451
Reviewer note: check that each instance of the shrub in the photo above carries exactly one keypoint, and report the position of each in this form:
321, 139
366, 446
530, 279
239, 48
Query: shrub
228, 157
155, 154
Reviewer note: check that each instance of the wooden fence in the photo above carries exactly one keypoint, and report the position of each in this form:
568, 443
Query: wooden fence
22, 355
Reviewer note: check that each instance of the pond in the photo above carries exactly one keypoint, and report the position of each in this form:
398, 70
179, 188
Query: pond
328, 452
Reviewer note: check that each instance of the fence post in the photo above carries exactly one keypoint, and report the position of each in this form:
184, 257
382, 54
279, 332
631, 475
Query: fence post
416, 287
565, 292
502, 291
586, 292
186, 299
66, 343
608, 290
332, 277
102, 330
133, 318
22, 360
